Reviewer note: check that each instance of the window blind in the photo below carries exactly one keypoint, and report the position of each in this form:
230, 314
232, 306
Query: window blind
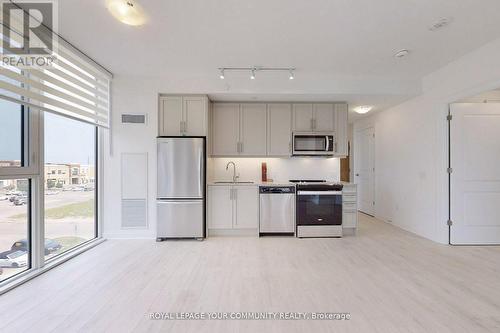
74, 86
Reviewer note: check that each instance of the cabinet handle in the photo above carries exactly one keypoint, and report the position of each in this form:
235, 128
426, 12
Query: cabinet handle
241, 147
312, 124
184, 126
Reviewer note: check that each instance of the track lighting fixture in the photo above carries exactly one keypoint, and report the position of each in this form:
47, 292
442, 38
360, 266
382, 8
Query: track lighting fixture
255, 69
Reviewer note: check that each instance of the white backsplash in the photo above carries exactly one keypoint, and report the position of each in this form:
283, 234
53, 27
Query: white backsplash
278, 169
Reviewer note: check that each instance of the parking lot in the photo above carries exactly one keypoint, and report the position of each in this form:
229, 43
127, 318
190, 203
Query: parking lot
69, 220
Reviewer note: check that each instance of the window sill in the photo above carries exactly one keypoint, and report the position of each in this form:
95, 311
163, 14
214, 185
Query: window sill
30, 274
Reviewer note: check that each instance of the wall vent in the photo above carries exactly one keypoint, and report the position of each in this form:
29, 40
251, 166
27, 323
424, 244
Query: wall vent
133, 118
134, 213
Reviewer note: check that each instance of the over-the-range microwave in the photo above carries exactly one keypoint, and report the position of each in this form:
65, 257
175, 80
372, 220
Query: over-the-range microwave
313, 144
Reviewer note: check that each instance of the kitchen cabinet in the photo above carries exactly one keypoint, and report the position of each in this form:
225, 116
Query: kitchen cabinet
239, 129
349, 208
253, 129
220, 207
233, 207
183, 116
279, 129
225, 129
317, 117
341, 121
247, 207
302, 117
323, 117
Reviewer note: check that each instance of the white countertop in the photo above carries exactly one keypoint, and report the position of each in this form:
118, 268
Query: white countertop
260, 183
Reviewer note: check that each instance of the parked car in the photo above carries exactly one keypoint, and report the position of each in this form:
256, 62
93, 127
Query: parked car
20, 200
13, 259
50, 246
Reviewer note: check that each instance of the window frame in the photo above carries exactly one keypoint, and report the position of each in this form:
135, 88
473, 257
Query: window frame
34, 171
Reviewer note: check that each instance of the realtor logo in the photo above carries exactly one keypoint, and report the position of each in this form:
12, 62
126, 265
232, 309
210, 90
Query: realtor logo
28, 37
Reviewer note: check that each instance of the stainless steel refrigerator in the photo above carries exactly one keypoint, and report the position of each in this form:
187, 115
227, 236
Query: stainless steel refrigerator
181, 187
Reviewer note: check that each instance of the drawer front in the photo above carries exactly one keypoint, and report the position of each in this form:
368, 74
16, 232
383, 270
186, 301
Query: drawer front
349, 198
349, 220
349, 190
349, 206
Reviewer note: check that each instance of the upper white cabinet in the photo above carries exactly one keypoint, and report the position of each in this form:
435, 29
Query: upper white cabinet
324, 117
183, 115
319, 117
279, 129
253, 129
239, 129
225, 129
341, 119
302, 117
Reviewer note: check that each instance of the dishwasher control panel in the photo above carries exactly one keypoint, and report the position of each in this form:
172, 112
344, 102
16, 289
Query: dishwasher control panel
277, 189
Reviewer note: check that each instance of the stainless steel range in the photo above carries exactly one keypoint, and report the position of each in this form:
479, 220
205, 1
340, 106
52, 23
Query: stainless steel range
318, 208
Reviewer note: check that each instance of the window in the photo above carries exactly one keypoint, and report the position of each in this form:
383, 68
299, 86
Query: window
11, 134
70, 197
14, 227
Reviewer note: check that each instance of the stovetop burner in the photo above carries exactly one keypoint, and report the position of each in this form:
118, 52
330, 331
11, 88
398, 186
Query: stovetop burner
316, 185
305, 181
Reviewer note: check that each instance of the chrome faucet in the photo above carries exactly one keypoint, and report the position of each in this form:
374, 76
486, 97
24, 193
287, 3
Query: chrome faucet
235, 177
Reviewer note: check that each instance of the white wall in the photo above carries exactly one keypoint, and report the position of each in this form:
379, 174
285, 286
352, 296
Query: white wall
411, 144
278, 169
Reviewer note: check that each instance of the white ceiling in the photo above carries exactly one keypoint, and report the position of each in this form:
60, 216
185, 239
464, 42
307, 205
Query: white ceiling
342, 49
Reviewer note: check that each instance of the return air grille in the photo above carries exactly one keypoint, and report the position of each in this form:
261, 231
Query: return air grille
133, 118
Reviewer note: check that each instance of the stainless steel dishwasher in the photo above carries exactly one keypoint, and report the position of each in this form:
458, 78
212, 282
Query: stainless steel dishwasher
277, 210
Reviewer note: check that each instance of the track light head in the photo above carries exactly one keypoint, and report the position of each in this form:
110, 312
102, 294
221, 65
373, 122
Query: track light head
252, 77
222, 74
292, 76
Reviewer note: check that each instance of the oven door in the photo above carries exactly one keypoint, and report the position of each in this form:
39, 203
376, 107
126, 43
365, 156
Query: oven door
313, 144
319, 208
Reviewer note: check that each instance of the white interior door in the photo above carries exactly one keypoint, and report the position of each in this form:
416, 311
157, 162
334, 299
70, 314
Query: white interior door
365, 169
475, 180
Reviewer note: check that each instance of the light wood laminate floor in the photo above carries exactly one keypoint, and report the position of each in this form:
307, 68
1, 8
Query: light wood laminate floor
387, 279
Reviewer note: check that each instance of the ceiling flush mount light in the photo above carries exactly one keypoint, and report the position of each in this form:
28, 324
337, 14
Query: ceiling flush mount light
363, 109
255, 69
401, 53
126, 11
441, 23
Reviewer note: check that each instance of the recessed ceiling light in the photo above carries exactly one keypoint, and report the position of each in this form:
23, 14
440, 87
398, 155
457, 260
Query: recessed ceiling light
441, 23
127, 11
363, 109
401, 53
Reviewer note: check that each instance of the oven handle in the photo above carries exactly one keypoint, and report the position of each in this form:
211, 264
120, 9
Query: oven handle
319, 192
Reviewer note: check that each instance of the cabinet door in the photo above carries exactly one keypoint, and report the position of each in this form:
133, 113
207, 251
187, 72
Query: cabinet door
247, 207
170, 115
253, 131
225, 129
324, 118
341, 130
195, 116
302, 117
279, 129
220, 207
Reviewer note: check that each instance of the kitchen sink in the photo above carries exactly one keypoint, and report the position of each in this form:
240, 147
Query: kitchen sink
230, 182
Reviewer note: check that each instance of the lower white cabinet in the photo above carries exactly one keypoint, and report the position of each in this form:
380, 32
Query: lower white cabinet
233, 207
349, 207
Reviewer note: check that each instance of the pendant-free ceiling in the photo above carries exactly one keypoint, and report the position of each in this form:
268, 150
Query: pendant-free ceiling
127, 11
255, 69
